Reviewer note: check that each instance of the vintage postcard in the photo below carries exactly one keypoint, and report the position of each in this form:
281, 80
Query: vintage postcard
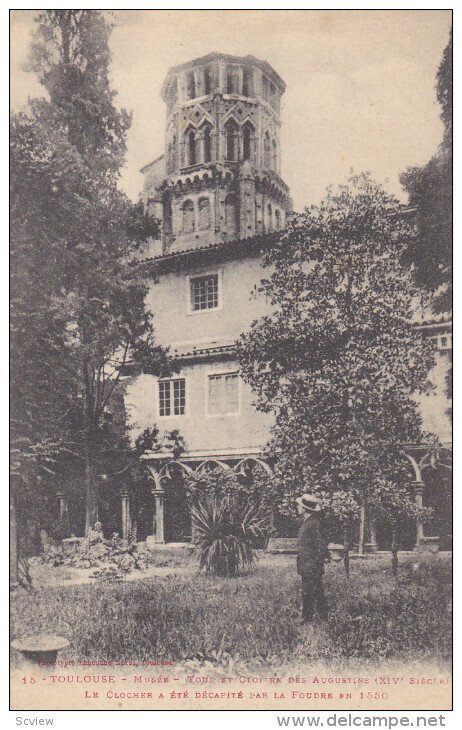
231, 339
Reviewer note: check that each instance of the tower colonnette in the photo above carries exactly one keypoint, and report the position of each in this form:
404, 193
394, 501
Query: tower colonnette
219, 178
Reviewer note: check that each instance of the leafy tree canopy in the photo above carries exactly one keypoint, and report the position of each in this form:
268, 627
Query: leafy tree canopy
78, 285
338, 359
430, 192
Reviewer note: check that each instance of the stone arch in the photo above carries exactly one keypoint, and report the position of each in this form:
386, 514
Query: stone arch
253, 460
216, 464
166, 471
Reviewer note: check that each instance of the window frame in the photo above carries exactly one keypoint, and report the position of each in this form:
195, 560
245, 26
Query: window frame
444, 346
172, 397
200, 275
229, 371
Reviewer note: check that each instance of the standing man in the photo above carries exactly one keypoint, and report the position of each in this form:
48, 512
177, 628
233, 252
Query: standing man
312, 552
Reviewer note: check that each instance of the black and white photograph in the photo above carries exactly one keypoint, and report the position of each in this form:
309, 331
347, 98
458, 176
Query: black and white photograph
231, 360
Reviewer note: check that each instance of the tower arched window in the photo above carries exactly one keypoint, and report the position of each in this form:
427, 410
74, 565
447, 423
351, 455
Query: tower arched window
277, 219
267, 151
274, 155
189, 222
207, 143
230, 214
191, 147
247, 141
204, 214
231, 132
269, 217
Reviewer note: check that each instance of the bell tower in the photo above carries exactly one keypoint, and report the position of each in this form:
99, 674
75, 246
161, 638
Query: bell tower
221, 167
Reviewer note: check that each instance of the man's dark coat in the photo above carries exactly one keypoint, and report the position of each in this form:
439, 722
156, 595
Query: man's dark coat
311, 546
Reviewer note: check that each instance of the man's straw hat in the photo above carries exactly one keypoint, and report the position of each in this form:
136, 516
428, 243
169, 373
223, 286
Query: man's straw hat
309, 502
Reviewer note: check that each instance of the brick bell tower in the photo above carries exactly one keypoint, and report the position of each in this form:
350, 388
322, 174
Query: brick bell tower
219, 179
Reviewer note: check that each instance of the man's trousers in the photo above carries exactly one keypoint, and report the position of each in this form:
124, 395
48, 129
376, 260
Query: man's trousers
313, 596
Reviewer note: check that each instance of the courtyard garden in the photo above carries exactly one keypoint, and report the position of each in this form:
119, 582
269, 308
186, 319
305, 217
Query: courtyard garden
253, 619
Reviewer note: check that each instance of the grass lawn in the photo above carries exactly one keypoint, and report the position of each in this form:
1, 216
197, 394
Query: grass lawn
253, 618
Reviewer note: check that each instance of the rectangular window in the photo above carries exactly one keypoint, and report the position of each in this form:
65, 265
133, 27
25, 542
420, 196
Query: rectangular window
172, 397
223, 393
204, 292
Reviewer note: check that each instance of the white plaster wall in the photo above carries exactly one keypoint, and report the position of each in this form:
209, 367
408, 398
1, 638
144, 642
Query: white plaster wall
245, 429
168, 300
434, 406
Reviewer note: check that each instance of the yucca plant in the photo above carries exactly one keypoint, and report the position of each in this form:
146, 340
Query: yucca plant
226, 530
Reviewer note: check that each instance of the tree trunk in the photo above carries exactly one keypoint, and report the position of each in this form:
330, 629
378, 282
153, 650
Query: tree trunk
91, 487
14, 576
91, 490
362, 521
346, 547
394, 553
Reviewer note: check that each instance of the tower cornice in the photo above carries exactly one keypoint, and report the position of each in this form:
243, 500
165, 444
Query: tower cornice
223, 58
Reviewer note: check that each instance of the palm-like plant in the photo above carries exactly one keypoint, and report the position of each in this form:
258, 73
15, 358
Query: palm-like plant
226, 530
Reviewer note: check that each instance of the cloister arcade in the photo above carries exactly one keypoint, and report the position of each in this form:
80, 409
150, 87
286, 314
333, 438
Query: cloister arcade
430, 467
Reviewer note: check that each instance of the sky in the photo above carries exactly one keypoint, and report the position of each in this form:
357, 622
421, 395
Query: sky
360, 84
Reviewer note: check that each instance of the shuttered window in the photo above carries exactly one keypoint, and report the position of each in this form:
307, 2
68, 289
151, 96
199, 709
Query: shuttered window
223, 393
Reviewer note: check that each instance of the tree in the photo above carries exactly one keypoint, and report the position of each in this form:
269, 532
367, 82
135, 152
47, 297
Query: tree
76, 241
345, 510
338, 358
393, 504
430, 193
71, 59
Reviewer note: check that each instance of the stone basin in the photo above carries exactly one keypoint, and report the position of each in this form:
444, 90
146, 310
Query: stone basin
40, 648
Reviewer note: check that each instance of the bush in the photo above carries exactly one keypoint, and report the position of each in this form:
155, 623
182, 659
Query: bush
112, 558
226, 530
